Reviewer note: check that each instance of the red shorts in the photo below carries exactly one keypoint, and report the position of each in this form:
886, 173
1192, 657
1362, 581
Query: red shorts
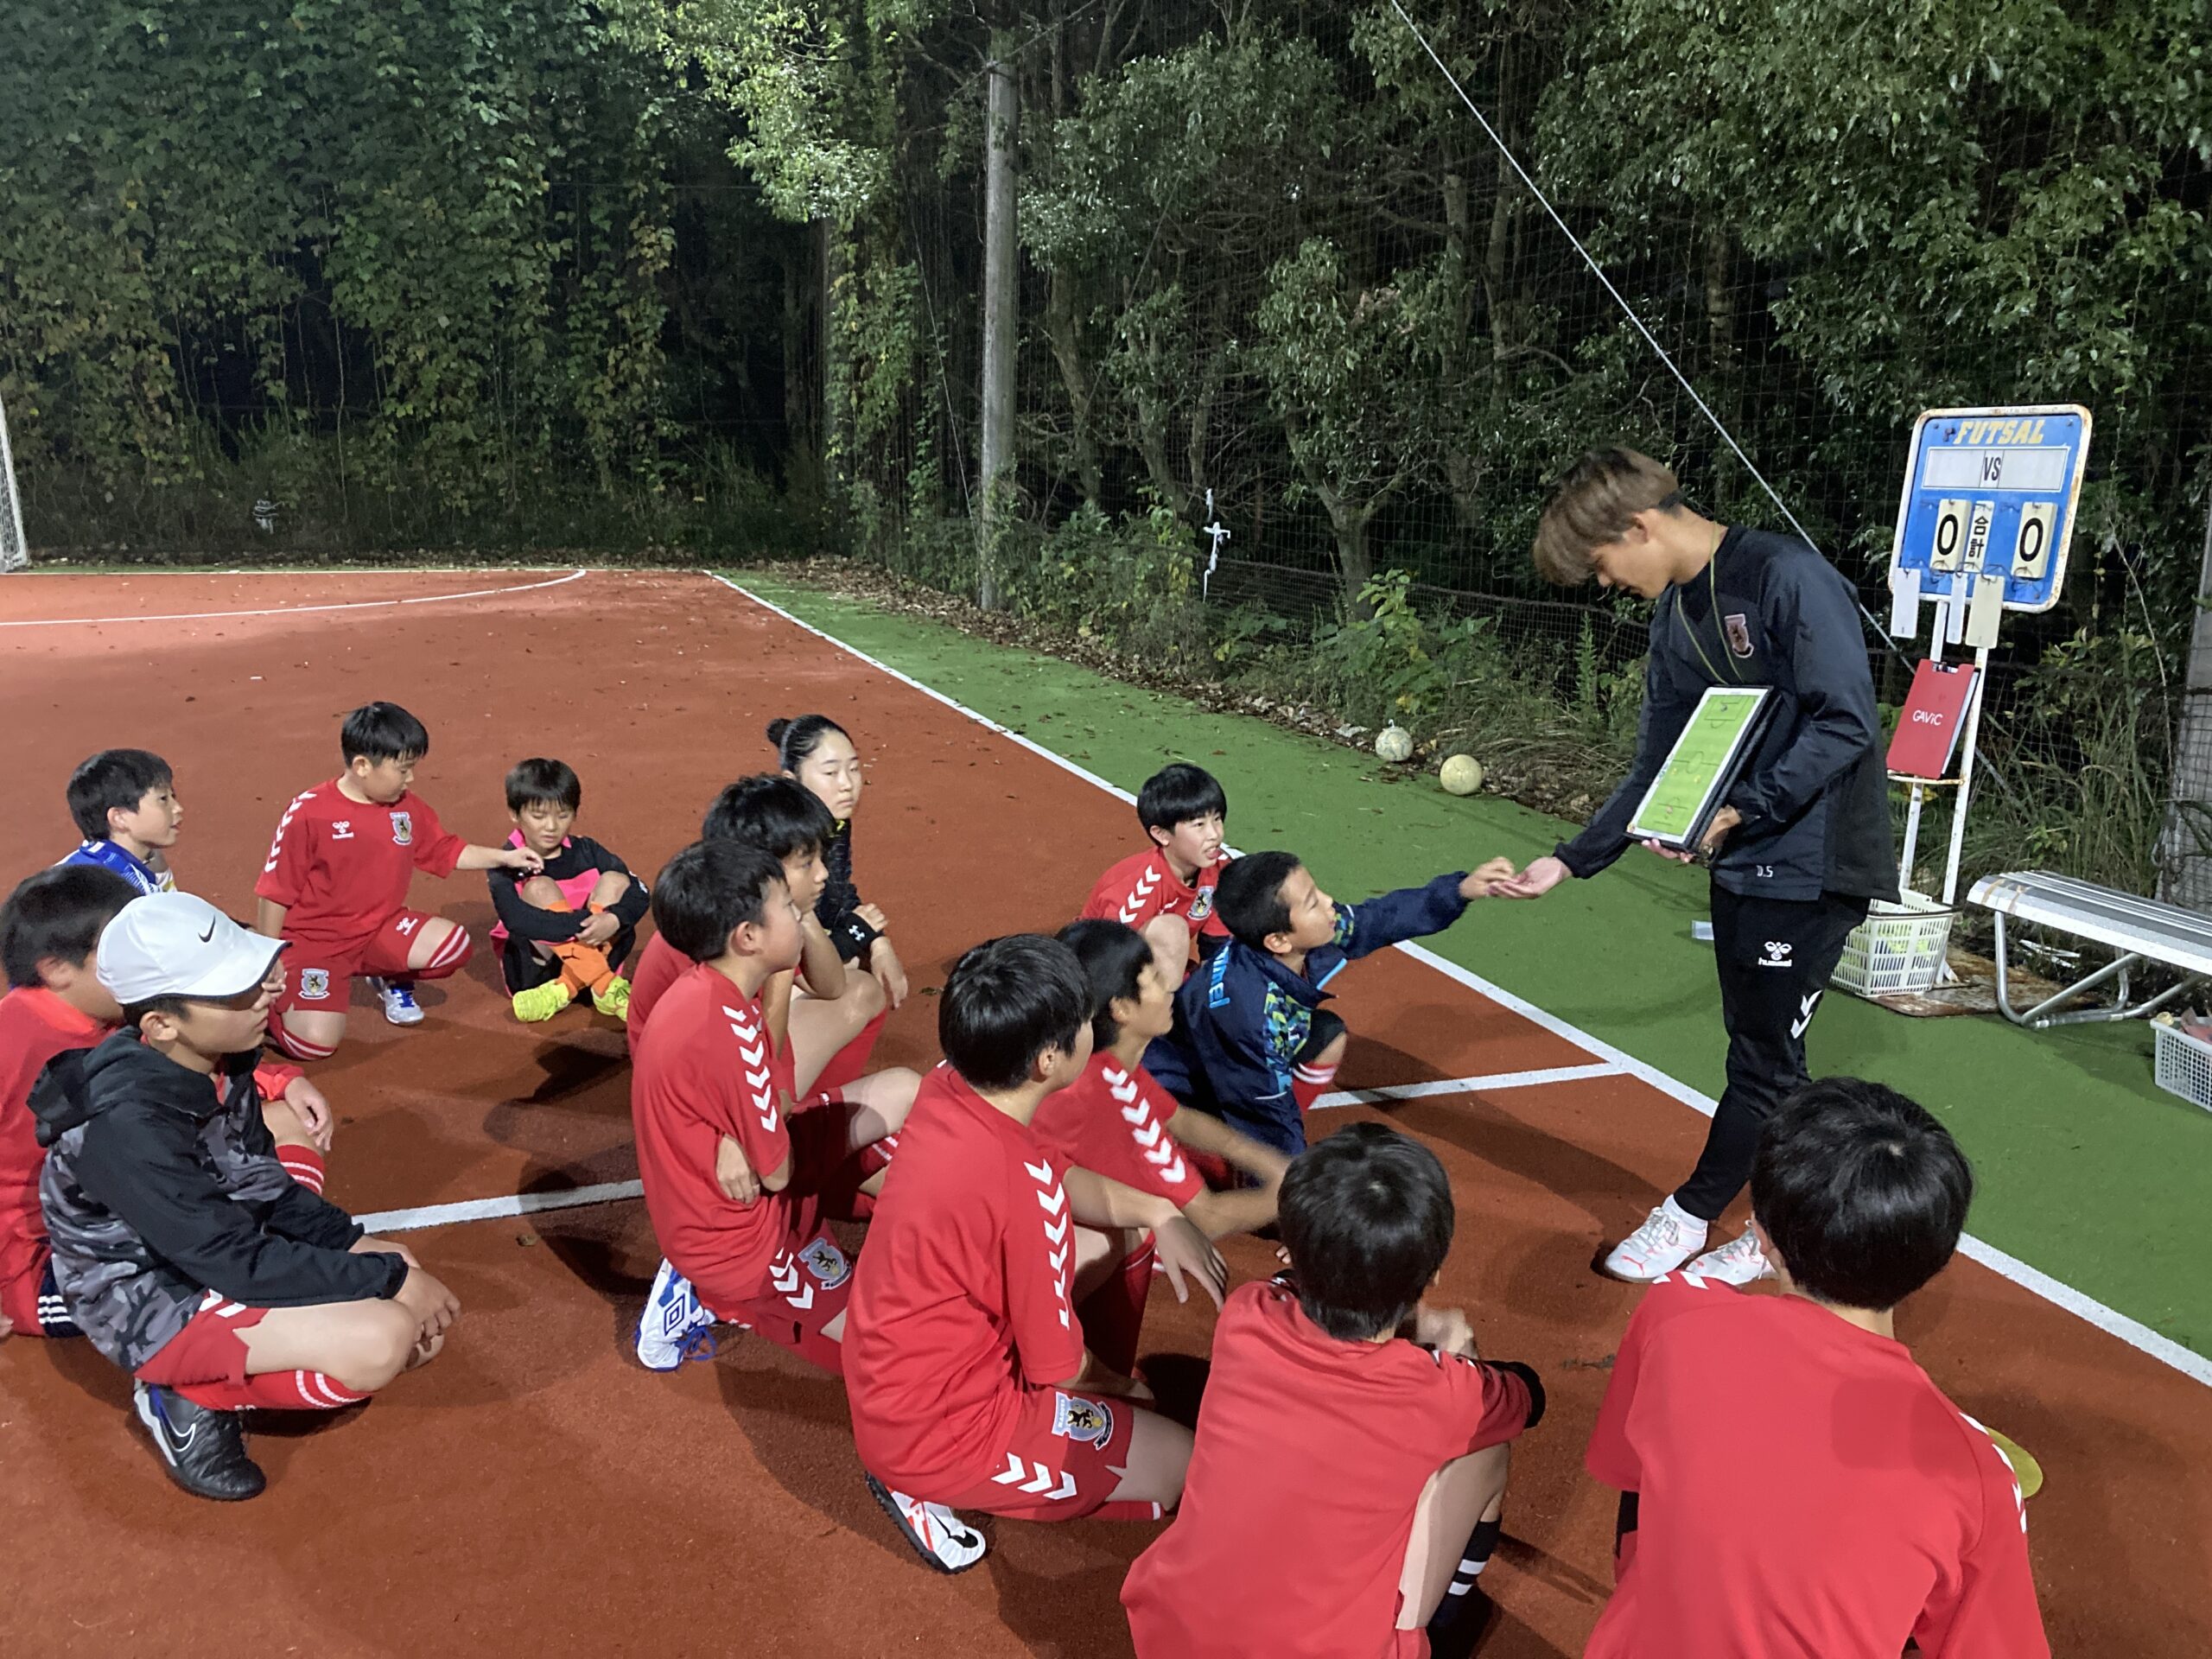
1065, 1460
810, 1279
209, 1350
318, 976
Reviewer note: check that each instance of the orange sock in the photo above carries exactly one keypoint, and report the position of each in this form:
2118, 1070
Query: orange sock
583, 967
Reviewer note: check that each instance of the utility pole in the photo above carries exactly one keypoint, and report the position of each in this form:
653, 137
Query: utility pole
2185, 848
1002, 314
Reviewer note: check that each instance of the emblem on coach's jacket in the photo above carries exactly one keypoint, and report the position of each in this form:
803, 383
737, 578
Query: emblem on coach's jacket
402, 829
1739, 633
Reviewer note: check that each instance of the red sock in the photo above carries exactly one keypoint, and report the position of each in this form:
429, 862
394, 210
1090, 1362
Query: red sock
1309, 1083
848, 1063
1113, 1314
274, 1391
304, 1165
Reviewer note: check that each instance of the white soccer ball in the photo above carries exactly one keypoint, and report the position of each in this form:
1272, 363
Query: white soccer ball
1461, 774
1394, 744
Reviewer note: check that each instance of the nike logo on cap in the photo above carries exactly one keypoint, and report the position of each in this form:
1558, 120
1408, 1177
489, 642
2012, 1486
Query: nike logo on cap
208, 937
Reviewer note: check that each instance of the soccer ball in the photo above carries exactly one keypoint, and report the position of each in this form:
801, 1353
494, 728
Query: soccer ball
1462, 774
1394, 744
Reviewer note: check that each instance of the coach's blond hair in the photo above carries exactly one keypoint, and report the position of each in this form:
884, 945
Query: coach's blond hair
1592, 506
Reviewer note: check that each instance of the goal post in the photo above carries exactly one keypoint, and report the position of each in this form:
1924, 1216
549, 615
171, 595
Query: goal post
15, 552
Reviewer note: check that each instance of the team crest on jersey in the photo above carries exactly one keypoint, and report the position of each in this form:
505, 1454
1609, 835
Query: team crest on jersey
1739, 633
1090, 1422
315, 985
402, 829
1202, 906
827, 1263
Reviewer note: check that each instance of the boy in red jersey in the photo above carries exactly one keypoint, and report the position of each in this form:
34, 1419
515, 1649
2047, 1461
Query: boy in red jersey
1117, 1121
746, 1239
1367, 1542
1166, 891
49, 929
1839, 1504
336, 885
969, 1383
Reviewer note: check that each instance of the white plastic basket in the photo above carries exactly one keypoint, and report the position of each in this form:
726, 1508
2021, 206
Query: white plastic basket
2184, 1066
1898, 948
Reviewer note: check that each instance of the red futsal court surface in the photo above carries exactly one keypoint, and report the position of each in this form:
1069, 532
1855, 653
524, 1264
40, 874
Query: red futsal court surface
535, 1492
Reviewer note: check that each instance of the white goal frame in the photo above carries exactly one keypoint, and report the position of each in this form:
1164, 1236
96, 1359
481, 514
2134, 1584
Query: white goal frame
15, 552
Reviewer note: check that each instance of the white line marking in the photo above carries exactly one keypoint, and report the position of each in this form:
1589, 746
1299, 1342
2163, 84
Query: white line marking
1494, 1081
292, 610
2056, 1292
517, 1203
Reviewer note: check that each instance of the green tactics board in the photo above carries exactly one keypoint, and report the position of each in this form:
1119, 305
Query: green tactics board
1700, 766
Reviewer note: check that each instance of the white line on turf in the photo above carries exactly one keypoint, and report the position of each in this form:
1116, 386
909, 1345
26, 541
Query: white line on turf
2056, 1292
1490, 1084
514, 1203
292, 610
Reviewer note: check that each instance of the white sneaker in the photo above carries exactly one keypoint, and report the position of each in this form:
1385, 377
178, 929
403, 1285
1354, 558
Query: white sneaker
938, 1536
400, 1006
1669, 1236
1739, 1261
675, 1325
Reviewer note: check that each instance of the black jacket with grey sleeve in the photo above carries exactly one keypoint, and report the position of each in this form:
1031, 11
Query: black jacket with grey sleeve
161, 1185
1769, 610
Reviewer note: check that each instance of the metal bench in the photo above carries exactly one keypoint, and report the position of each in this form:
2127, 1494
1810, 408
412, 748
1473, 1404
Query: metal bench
2141, 930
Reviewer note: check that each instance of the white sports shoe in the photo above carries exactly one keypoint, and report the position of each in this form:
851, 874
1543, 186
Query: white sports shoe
1739, 1261
938, 1536
1669, 1236
400, 1006
675, 1325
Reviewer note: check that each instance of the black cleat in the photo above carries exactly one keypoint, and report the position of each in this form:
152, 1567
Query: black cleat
204, 1450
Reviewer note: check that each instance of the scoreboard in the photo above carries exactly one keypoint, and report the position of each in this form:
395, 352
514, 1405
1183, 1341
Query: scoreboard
1987, 511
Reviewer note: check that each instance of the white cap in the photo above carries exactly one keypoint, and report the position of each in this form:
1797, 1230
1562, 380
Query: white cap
178, 944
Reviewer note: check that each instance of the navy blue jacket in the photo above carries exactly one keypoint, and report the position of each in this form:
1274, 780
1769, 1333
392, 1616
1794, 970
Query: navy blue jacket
1243, 1016
1769, 610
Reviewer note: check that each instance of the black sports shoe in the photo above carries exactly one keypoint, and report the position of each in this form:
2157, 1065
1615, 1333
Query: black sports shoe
204, 1450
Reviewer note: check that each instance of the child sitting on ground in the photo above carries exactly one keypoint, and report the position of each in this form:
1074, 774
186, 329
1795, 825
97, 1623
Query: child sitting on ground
125, 805
1167, 891
1252, 1043
183, 1250
745, 1239
566, 931
1350, 1476
969, 1383
336, 885
49, 929
1790, 1480
1117, 1120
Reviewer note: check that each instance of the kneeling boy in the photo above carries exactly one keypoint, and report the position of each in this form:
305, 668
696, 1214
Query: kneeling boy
1167, 891
1838, 1503
969, 1382
1252, 1043
1348, 1484
334, 885
183, 1250
565, 932
740, 1187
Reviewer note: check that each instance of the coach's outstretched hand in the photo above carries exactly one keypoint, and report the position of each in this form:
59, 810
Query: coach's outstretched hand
1539, 879
1483, 882
1182, 1249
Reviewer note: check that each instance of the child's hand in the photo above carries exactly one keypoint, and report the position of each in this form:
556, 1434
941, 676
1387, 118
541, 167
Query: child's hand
1539, 879
521, 858
434, 1306
599, 927
367, 1244
1446, 1329
7, 1327
875, 918
733, 1174
889, 972
308, 1103
1480, 883
1182, 1249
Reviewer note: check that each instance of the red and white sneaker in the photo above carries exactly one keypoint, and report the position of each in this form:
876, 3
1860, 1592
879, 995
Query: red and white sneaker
1669, 1236
1739, 1261
938, 1536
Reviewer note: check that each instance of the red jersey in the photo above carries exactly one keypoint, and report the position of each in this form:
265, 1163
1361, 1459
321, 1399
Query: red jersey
1805, 1489
1144, 885
1312, 1454
962, 1297
660, 965
341, 868
1114, 1122
707, 1070
35, 1024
